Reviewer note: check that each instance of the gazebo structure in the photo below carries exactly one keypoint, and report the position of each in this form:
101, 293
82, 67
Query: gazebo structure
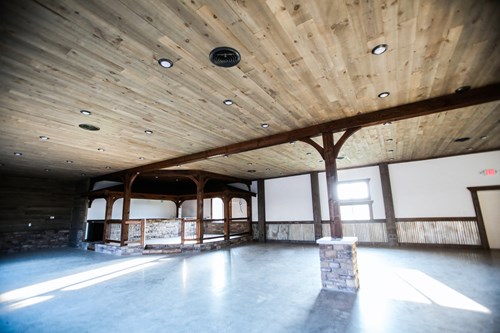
177, 186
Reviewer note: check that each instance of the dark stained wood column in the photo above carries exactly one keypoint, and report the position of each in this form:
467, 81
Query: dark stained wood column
200, 194
390, 218
227, 216
261, 205
127, 195
330, 153
249, 216
316, 205
108, 215
331, 185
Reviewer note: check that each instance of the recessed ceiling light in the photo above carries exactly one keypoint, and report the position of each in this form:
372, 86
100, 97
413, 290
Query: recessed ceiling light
264, 125
100, 149
462, 89
470, 148
462, 139
390, 150
387, 123
384, 94
228, 102
156, 177
484, 137
379, 49
252, 171
44, 138
226, 155
148, 132
292, 142
179, 165
18, 153
83, 174
69, 161
46, 170
89, 127
165, 63
141, 158
107, 167
85, 112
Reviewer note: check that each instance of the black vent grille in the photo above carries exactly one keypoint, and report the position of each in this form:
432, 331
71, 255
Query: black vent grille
225, 57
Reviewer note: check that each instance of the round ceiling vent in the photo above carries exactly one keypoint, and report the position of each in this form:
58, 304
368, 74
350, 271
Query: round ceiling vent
225, 56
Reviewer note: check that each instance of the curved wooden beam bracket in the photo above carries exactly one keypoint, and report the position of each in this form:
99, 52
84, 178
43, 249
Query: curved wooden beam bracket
348, 133
315, 145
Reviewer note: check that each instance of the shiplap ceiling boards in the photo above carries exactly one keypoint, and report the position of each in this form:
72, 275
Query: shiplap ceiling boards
302, 63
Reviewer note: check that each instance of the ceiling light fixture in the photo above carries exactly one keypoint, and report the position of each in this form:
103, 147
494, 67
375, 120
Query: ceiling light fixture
85, 112
46, 170
264, 125
44, 138
249, 163
149, 132
18, 153
484, 137
89, 127
226, 155
69, 161
389, 140
462, 89
83, 174
383, 94
228, 102
252, 171
100, 149
387, 123
379, 49
165, 63
141, 158
107, 167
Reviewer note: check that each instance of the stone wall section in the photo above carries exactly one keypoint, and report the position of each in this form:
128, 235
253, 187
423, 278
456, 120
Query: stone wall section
24, 241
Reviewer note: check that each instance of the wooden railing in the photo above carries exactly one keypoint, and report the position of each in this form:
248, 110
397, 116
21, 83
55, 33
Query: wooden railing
112, 231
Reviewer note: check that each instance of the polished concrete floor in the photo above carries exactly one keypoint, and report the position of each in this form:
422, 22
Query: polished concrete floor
252, 288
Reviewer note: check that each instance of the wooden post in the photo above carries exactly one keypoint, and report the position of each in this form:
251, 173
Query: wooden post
390, 218
143, 232
249, 216
330, 152
316, 205
261, 202
227, 215
107, 217
127, 194
331, 185
200, 193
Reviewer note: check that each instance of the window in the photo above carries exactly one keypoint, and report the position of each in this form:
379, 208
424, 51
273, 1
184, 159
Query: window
355, 201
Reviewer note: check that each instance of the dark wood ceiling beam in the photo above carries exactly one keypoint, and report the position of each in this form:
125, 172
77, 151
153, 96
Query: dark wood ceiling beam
454, 101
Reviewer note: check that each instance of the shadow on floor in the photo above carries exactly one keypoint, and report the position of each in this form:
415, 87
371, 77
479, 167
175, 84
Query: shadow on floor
334, 305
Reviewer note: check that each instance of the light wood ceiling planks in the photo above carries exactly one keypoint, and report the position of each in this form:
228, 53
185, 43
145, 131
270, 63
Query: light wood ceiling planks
303, 63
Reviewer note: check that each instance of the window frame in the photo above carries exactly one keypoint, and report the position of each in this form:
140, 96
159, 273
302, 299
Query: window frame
351, 202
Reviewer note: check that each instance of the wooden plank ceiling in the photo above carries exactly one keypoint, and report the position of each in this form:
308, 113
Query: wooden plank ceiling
302, 63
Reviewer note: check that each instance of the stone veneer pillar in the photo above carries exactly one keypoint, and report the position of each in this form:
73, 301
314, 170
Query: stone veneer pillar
339, 264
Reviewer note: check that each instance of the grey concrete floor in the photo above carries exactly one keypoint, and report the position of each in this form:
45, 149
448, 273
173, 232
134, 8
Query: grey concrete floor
251, 288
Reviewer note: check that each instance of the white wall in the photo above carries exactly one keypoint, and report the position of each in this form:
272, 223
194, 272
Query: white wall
371, 173
289, 199
189, 208
438, 187
142, 208
98, 210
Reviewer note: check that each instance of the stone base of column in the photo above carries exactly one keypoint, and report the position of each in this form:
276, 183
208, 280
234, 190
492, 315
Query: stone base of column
339, 264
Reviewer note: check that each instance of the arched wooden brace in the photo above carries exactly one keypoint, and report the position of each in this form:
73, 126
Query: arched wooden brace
128, 180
